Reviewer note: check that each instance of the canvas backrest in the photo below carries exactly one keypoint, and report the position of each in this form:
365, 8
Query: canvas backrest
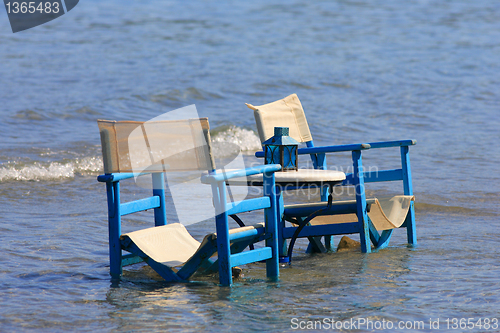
286, 112
156, 146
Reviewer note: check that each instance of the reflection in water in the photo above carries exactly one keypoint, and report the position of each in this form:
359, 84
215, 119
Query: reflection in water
335, 285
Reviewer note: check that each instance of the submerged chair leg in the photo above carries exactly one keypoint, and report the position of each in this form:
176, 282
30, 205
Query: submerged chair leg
223, 244
280, 209
325, 192
271, 215
380, 241
359, 184
223, 249
315, 245
114, 227
411, 229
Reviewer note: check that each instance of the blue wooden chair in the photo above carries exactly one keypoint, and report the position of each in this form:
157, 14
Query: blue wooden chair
131, 149
372, 219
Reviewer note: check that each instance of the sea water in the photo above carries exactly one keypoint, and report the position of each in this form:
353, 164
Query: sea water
364, 71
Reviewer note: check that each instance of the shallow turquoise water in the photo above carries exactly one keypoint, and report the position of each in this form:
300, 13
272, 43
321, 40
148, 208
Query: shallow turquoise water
364, 71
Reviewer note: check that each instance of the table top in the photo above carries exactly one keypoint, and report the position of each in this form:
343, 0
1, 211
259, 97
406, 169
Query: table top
301, 177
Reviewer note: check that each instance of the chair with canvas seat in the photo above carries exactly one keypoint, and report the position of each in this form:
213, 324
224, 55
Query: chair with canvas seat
133, 149
373, 219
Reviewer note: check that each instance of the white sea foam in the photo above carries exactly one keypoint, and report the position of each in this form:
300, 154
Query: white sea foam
88, 165
226, 142
51, 170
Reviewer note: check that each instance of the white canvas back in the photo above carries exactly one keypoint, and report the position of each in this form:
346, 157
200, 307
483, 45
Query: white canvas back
286, 112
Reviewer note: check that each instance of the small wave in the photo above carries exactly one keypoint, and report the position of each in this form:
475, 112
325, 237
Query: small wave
423, 208
51, 171
176, 95
30, 115
225, 138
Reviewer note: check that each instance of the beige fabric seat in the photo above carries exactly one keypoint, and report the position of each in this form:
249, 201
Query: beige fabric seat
385, 213
171, 244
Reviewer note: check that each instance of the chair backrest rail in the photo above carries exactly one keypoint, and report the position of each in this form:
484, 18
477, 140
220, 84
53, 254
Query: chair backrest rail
376, 176
248, 205
246, 234
139, 205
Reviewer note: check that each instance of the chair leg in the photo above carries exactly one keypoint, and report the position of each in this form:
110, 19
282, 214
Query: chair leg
325, 192
272, 264
359, 183
364, 237
385, 238
411, 229
223, 250
222, 227
315, 245
114, 229
272, 215
329, 244
380, 241
164, 271
282, 245
408, 190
